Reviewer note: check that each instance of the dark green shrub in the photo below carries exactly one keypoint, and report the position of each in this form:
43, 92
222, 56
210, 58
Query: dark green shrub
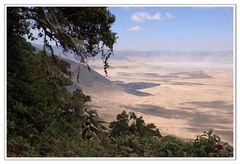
210, 145
130, 124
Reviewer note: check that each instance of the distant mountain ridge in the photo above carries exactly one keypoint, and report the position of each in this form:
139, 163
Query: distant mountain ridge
199, 56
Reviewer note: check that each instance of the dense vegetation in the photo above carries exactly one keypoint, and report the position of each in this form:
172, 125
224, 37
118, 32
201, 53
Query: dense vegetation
45, 120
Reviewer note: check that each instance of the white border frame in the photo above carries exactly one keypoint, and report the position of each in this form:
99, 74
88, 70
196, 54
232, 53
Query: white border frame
126, 5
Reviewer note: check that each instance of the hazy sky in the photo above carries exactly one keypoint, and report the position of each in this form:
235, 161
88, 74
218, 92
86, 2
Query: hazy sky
173, 28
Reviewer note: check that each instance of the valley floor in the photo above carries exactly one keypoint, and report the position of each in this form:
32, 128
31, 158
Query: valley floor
180, 101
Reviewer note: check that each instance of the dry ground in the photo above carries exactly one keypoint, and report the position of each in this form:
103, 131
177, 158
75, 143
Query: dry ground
189, 98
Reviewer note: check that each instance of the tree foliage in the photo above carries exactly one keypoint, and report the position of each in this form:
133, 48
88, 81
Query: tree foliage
210, 144
130, 124
85, 31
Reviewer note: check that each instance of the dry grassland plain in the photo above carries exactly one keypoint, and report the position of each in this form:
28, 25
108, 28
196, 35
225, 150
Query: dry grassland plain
182, 98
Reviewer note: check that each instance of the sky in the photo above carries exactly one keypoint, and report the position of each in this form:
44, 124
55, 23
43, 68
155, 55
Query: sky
173, 28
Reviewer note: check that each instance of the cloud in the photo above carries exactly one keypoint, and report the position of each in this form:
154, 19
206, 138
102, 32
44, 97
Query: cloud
169, 16
143, 16
135, 28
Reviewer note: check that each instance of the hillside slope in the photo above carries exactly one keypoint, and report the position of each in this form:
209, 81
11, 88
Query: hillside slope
90, 82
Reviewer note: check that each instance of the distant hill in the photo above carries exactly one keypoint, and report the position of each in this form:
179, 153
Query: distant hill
90, 81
